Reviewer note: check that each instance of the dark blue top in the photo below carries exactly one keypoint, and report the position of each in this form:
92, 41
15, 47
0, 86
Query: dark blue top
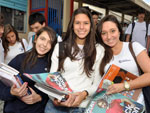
12, 103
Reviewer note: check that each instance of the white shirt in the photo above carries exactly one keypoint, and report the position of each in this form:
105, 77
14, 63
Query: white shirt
1, 52
139, 32
15, 50
74, 75
126, 61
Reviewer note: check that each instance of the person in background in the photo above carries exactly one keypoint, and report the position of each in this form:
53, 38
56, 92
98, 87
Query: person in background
78, 63
139, 30
117, 52
1, 34
36, 22
37, 60
12, 44
95, 16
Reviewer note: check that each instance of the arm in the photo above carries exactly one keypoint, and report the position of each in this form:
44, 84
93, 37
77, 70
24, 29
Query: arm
141, 81
148, 42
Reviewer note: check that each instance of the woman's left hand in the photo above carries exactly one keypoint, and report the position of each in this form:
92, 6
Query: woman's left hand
32, 98
74, 100
115, 88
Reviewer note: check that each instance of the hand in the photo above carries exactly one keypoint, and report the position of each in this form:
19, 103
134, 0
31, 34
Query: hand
67, 103
74, 100
19, 92
115, 88
32, 98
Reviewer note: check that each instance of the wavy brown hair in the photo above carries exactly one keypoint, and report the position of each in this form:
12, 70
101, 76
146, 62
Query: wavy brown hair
32, 55
7, 29
89, 45
108, 51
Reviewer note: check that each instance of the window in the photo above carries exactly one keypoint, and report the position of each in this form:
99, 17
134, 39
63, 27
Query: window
14, 17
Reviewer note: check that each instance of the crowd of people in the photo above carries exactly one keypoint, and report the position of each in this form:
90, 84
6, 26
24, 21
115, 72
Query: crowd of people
89, 48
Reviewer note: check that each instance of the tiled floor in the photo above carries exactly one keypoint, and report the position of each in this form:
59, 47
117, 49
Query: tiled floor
1, 106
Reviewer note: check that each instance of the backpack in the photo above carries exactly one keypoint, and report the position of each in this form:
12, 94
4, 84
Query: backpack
133, 25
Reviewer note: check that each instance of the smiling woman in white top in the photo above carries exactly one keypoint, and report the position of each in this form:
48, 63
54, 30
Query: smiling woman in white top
12, 44
78, 63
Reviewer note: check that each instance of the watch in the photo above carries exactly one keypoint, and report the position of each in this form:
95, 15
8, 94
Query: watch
126, 85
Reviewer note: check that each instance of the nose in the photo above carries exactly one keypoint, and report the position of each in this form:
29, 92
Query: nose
108, 35
81, 26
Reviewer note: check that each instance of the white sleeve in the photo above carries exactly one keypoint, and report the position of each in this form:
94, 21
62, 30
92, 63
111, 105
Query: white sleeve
149, 30
138, 48
128, 30
24, 41
55, 59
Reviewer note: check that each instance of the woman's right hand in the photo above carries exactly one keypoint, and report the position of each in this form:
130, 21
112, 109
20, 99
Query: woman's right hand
19, 92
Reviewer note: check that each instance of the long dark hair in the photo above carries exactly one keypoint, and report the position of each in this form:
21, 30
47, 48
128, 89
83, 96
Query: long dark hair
108, 51
7, 29
32, 56
89, 46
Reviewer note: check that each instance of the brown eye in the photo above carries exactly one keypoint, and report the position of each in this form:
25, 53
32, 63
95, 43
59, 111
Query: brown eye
103, 33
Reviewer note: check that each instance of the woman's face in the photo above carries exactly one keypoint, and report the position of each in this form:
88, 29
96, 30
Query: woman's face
43, 44
81, 25
11, 37
110, 33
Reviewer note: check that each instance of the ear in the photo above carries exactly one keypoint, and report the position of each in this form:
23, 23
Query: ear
44, 24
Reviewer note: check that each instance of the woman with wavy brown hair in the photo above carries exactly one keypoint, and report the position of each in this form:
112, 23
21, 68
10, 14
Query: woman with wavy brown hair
12, 44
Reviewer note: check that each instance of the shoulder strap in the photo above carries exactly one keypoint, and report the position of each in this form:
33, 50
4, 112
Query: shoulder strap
146, 30
23, 45
133, 25
133, 54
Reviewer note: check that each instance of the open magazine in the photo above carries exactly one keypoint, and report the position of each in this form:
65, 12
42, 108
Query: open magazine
116, 74
115, 103
9, 75
125, 102
52, 84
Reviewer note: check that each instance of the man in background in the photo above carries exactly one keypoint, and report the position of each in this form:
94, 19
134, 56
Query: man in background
95, 16
139, 30
36, 22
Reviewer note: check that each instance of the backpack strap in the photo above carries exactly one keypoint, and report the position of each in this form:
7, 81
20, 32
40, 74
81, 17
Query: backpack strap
146, 33
133, 25
23, 45
133, 54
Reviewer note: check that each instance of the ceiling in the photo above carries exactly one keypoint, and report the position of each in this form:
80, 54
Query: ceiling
123, 6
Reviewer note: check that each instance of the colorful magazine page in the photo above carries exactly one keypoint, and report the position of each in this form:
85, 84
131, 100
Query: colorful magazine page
52, 84
54, 80
116, 74
115, 103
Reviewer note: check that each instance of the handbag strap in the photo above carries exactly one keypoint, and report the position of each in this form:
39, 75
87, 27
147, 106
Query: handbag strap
133, 54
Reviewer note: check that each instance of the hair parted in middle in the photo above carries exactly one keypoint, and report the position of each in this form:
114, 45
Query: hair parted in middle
89, 45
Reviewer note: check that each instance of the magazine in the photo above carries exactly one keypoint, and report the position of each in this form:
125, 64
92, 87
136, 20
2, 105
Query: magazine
124, 102
9, 75
52, 84
116, 74
114, 103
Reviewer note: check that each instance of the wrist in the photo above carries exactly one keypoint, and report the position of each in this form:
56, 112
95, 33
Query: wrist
126, 85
